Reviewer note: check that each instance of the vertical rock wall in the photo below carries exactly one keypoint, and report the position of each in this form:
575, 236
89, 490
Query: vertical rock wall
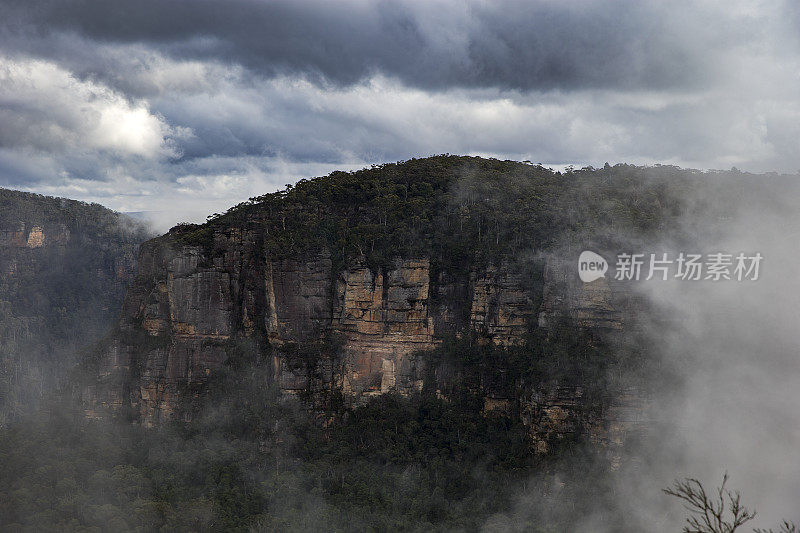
185, 309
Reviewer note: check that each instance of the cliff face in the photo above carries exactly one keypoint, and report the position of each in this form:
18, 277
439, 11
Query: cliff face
34, 237
185, 309
365, 284
64, 269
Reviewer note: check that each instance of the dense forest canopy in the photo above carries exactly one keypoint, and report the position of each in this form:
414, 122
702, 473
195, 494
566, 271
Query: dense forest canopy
37, 209
457, 209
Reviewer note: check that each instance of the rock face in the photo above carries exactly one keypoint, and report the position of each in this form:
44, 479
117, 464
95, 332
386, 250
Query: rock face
591, 305
189, 308
384, 318
186, 309
34, 236
64, 270
500, 308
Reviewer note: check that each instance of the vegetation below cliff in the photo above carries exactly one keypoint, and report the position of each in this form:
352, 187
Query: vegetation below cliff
254, 460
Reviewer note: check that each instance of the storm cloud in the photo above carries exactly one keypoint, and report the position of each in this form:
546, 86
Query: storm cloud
125, 103
432, 45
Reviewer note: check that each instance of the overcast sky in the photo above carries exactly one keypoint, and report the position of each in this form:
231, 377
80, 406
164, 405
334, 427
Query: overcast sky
190, 107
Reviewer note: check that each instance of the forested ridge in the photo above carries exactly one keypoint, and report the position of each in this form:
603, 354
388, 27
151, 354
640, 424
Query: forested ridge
253, 458
456, 209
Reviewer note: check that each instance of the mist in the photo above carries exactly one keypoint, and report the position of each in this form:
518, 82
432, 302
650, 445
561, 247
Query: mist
715, 387
735, 346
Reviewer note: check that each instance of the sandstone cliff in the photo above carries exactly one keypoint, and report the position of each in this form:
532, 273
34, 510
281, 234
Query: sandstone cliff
358, 326
184, 310
64, 269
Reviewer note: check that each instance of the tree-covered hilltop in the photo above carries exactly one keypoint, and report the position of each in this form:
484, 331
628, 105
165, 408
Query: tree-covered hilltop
64, 269
91, 218
457, 210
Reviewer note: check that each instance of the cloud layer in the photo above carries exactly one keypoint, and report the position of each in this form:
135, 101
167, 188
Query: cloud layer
127, 105
513, 44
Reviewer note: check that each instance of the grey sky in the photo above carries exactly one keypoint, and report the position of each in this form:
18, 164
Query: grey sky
172, 104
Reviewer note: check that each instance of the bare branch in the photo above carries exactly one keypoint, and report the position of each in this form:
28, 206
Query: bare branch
721, 513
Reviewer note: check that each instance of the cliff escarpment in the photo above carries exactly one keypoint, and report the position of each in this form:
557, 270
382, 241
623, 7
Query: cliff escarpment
445, 276
64, 269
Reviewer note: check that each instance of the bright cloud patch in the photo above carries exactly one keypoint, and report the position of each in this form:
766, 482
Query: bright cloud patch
50, 110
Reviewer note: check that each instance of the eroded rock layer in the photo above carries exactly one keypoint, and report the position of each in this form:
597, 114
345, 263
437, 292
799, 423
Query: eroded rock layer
186, 309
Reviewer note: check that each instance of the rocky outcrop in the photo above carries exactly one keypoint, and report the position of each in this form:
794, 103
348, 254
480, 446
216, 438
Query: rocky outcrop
384, 318
186, 308
35, 236
14, 237
501, 308
591, 305
562, 411
298, 299
64, 270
